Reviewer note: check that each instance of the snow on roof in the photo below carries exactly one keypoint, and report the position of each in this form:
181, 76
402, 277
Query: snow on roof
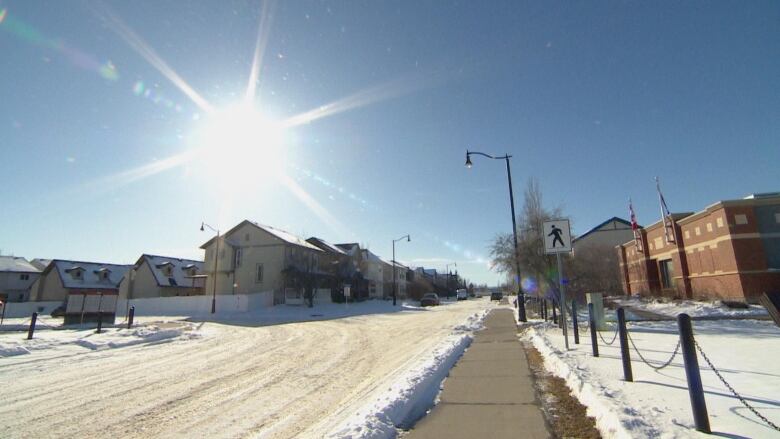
16, 264
91, 274
180, 275
324, 245
288, 237
40, 263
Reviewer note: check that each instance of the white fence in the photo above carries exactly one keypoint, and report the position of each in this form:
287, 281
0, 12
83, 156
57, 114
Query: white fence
195, 305
25, 309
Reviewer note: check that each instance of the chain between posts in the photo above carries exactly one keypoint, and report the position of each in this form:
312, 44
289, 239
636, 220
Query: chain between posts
609, 343
664, 364
734, 392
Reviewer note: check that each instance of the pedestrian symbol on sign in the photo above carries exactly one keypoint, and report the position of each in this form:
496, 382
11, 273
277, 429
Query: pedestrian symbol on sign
557, 233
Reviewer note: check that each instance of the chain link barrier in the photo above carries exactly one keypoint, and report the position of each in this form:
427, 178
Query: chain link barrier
644, 360
609, 343
734, 392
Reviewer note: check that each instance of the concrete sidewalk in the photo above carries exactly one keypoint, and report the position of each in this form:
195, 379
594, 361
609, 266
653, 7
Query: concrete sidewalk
489, 392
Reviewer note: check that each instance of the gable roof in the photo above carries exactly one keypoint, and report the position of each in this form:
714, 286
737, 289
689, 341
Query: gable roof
596, 228
326, 246
15, 264
284, 236
179, 269
90, 278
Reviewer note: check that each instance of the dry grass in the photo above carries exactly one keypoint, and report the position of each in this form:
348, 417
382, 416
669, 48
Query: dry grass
566, 416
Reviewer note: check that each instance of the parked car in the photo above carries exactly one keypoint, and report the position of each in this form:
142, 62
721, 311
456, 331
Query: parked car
430, 299
496, 295
462, 294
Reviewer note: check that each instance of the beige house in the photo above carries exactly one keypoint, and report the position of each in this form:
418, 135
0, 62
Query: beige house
400, 279
16, 277
160, 276
252, 258
61, 278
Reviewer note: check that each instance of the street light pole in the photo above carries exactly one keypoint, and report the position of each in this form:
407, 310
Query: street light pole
216, 258
520, 296
449, 275
408, 238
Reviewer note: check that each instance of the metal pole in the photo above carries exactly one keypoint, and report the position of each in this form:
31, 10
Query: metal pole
544, 309
214, 289
31, 331
520, 296
130, 317
394, 303
695, 388
100, 314
574, 322
592, 323
624, 354
562, 299
2, 317
554, 312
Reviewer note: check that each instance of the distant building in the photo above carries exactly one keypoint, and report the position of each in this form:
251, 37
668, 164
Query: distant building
16, 277
730, 250
609, 233
161, 276
61, 278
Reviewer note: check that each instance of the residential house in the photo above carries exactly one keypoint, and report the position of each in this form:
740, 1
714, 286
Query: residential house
730, 250
62, 277
373, 268
161, 276
401, 278
359, 284
252, 258
40, 263
16, 277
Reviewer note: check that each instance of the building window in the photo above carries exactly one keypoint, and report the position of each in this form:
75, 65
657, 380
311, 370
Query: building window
667, 273
709, 227
720, 222
237, 253
24, 277
740, 219
259, 274
687, 234
698, 231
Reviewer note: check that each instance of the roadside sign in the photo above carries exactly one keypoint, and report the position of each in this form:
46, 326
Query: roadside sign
557, 236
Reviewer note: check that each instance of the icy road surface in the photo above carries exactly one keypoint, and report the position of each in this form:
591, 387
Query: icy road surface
297, 379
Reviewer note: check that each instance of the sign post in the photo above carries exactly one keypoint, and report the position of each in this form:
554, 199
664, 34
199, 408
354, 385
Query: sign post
557, 240
346, 295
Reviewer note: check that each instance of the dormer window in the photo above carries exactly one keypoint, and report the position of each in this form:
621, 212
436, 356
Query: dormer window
103, 273
76, 272
166, 268
190, 269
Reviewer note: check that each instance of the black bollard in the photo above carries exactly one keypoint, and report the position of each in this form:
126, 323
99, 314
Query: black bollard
544, 309
623, 335
574, 322
100, 322
695, 388
130, 317
31, 331
555, 315
592, 323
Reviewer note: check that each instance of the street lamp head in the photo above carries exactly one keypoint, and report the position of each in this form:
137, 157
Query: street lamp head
201, 227
468, 160
408, 238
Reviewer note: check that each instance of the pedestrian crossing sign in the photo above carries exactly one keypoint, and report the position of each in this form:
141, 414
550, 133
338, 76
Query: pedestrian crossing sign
557, 236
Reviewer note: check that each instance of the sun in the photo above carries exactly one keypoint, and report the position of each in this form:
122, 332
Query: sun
240, 145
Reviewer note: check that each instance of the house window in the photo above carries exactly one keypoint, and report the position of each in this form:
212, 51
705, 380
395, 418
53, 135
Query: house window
246, 237
667, 273
709, 227
687, 234
259, 274
104, 275
24, 277
720, 222
76, 274
237, 257
698, 231
740, 219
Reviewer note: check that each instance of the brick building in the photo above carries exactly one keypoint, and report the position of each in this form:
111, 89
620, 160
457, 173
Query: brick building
730, 250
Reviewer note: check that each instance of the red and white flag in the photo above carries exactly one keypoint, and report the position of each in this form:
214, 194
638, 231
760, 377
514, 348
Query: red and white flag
635, 226
669, 229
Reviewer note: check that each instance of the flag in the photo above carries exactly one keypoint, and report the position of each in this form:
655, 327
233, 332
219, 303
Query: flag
669, 229
635, 226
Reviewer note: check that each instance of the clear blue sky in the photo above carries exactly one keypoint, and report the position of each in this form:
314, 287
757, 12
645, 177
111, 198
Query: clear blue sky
592, 98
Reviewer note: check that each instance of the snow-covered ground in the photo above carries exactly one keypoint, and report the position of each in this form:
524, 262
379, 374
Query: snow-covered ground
348, 372
656, 404
690, 307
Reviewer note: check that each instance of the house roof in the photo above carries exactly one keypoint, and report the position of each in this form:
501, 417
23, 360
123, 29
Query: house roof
180, 277
326, 246
596, 228
40, 263
286, 237
90, 278
15, 264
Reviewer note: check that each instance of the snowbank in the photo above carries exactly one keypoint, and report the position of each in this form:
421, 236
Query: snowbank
408, 397
657, 404
690, 307
111, 338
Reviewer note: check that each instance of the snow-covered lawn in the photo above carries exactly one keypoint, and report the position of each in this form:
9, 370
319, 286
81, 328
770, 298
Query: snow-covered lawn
690, 307
656, 404
354, 371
